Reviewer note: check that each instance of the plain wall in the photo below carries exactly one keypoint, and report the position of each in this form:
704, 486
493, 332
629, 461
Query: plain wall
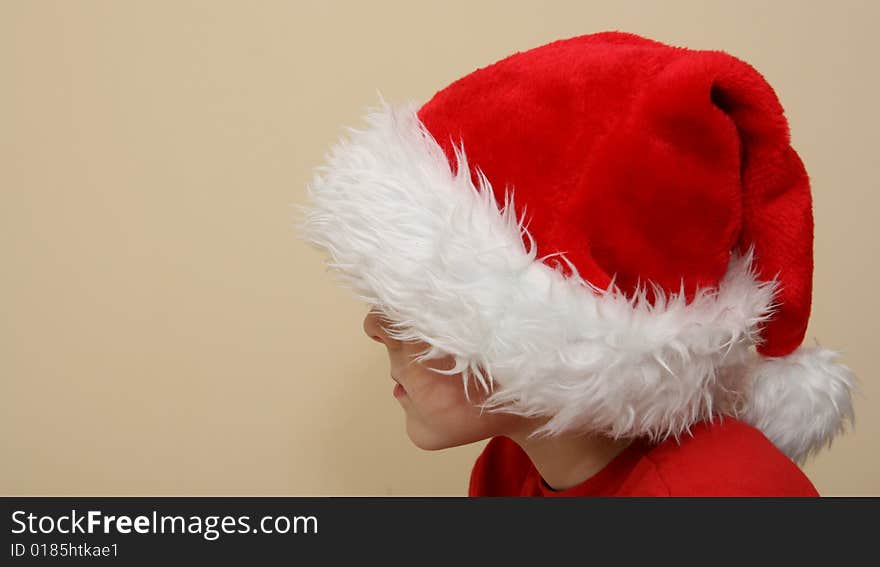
164, 331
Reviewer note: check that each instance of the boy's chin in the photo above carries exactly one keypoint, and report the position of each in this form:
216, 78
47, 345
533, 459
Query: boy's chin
432, 441
430, 446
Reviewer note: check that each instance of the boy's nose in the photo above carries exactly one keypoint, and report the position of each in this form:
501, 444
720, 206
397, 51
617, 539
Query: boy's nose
372, 328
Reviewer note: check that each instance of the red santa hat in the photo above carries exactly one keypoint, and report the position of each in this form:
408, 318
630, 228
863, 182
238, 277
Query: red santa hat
606, 230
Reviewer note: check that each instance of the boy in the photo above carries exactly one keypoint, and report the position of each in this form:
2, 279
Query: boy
597, 253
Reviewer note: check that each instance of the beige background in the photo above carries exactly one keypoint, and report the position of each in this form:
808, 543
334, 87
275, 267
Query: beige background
164, 332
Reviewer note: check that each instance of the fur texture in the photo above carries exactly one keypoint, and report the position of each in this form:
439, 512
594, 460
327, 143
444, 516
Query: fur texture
441, 259
800, 401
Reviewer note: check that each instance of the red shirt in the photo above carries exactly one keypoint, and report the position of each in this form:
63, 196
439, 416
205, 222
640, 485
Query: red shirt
722, 458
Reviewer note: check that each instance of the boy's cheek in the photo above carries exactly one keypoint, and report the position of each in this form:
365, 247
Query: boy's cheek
443, 396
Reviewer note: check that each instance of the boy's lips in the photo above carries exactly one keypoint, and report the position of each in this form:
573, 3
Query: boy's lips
399, 390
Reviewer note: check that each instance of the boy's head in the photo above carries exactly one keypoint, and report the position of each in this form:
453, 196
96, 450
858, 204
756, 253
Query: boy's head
439, 414
605, 233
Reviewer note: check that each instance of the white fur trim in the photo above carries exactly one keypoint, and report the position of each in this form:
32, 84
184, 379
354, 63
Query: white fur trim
800, 401
437, 256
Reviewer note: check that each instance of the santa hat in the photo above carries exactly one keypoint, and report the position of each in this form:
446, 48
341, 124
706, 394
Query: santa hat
606, 230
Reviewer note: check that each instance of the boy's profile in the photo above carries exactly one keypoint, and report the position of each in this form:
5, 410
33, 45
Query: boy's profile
596, 253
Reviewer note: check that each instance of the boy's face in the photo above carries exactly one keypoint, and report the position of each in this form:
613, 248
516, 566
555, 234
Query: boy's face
438, 415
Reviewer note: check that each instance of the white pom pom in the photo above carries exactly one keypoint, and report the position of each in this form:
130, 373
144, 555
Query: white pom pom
800, 401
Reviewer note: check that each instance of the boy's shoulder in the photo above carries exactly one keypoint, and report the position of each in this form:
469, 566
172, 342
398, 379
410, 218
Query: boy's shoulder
724, 457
